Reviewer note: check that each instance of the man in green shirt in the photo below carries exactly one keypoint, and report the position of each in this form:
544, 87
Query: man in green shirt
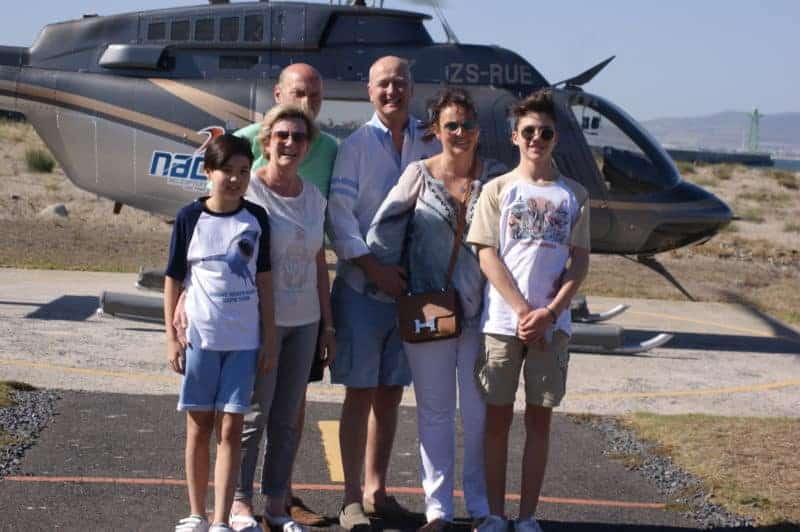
301, 85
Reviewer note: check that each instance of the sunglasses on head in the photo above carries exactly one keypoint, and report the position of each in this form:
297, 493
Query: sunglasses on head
297, 136
546, 133
466, 125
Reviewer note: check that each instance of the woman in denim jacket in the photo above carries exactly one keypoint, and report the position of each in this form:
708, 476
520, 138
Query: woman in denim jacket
415, 227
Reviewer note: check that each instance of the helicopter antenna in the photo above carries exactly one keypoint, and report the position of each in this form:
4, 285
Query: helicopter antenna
584, 77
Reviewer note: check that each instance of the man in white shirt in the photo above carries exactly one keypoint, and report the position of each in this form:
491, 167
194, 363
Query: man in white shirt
370, 360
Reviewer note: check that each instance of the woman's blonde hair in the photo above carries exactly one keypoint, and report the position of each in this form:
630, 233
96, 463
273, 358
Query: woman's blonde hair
286, 112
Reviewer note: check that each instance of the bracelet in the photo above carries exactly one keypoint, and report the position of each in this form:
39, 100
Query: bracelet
329, 328
552, 314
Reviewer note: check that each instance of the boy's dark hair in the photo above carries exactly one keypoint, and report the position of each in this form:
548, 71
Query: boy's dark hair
222, 148
445, 98
540, 101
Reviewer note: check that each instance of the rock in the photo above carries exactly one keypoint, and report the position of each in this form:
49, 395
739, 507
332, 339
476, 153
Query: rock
57, 210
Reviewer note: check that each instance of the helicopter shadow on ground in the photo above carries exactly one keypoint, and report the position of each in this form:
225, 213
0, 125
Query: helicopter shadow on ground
722, 342
784, 339
66, 308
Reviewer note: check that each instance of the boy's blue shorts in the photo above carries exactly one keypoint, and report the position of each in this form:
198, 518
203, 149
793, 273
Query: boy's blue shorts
218, 380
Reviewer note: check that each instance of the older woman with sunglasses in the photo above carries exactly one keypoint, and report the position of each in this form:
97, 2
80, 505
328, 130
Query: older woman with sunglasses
416, 227
302, 312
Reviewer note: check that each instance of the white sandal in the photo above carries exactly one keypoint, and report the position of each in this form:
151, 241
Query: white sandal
284, 523
244, 523
193, 523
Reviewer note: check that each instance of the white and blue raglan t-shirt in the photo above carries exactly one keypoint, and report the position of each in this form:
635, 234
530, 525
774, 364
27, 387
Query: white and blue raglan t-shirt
217, 257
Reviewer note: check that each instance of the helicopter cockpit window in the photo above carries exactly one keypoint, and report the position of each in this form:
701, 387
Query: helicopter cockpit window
341, 117
253, 28
616, 144
179, 30
156, 31
229, 29
204, 29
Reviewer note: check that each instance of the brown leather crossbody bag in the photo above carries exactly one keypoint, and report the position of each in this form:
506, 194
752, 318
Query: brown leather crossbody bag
435, 315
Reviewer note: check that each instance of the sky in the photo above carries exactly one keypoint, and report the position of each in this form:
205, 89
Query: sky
673, 59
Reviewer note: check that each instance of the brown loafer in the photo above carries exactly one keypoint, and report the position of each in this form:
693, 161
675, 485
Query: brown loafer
303, 515
389, 510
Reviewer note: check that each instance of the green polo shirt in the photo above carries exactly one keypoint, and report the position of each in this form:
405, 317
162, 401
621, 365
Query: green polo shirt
317, 166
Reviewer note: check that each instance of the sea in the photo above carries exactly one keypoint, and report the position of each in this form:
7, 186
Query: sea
793, 165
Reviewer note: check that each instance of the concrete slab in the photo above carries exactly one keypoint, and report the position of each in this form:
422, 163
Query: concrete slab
725, 359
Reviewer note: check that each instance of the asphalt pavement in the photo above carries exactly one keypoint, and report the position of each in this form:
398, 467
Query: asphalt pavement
115, 462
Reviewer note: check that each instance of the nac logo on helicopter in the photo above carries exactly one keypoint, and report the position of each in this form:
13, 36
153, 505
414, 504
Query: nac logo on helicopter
184, 169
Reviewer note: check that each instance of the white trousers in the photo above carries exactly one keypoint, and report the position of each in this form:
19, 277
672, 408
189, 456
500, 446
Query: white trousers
438, 369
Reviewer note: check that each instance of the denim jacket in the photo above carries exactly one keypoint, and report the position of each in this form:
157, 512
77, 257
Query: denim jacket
415, 227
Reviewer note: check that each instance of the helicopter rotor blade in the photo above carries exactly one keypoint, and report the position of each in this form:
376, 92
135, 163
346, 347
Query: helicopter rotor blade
585, 77
650, 262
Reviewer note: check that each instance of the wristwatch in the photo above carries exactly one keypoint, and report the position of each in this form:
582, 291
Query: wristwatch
330, 328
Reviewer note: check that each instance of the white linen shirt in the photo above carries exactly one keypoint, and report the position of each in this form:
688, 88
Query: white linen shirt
367, 167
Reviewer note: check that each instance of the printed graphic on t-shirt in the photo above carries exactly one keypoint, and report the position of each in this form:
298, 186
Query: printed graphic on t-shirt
293, 265
240, 252
539, 219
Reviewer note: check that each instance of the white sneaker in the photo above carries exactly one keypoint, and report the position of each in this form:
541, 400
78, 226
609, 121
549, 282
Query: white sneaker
493, 523
193, 523
529, 524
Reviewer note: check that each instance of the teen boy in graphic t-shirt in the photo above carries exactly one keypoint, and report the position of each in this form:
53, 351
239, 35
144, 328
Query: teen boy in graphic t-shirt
531, 227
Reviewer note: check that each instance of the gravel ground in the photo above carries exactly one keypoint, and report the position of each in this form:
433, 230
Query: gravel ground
24, 421
682, 489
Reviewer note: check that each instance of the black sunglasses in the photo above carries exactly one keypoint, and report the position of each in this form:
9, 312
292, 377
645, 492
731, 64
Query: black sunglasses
546, 133
466, 125
297, 136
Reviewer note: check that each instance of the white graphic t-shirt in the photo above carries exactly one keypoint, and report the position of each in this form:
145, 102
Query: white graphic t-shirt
217, 257
296, 233
533, 225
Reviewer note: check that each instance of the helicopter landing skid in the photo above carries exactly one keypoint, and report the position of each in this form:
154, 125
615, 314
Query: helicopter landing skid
131, 307
581, 314
610, 340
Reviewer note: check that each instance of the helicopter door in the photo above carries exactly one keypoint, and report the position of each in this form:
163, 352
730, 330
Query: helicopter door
574, 158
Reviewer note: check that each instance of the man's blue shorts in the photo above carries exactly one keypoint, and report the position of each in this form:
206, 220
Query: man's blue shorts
218, 380
369, 350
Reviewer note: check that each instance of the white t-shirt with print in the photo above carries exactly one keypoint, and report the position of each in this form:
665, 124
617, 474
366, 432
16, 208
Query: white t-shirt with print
296, 236
533, 226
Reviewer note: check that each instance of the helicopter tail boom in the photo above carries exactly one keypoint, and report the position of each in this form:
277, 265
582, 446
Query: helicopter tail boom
12, 58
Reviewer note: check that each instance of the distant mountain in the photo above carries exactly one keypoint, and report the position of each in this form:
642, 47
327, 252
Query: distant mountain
779, 133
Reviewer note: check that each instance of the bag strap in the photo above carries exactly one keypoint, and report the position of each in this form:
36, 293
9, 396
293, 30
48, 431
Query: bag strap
461, 216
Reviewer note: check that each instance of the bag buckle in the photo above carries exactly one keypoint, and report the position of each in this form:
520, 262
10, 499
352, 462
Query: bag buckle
420, 325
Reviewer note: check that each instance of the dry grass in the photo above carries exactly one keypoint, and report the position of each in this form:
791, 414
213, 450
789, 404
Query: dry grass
7, 387
731, 456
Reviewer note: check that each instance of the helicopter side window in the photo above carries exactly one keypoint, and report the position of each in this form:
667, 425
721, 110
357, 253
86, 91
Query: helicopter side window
179, 30
229, 29
253, 28
340, 118
156, 31
625, 168
204, 29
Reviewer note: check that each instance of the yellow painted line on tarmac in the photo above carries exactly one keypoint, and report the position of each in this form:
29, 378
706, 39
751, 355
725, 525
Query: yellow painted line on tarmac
684, 393
90, 371
333, 455
754, 332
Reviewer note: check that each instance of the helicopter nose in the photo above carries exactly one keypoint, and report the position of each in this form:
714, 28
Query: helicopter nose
696, 215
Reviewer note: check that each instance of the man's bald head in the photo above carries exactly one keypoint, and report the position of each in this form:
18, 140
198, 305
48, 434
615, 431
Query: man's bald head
390, 63
300, 84
390, 89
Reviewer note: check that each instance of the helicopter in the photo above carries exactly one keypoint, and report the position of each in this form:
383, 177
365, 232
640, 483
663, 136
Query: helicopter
124, 101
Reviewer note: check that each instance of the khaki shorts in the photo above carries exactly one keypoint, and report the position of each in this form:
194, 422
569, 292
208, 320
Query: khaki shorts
497, 370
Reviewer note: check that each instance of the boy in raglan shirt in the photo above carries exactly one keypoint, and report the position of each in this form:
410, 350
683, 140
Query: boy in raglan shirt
531, 228
219, 254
